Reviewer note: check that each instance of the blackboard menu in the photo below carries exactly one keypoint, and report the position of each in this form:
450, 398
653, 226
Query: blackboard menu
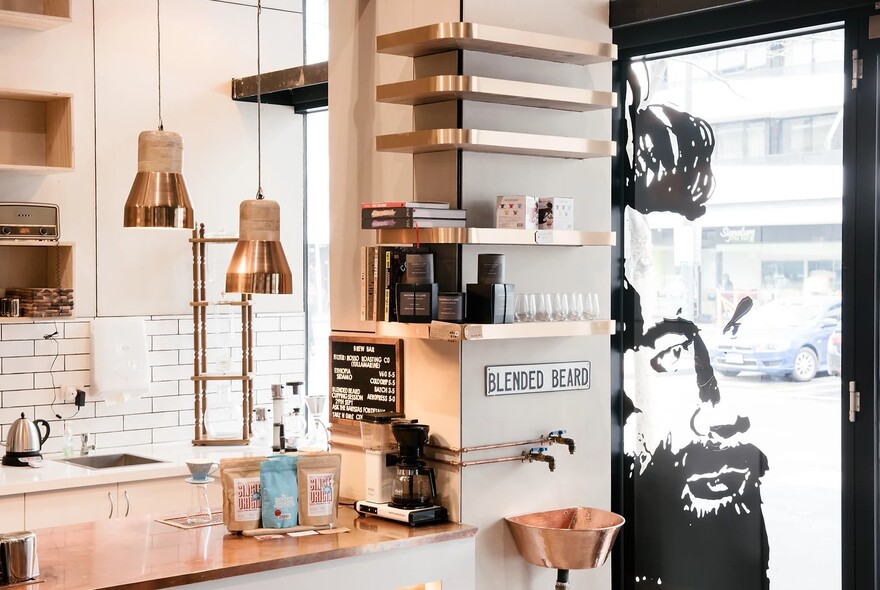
366, 376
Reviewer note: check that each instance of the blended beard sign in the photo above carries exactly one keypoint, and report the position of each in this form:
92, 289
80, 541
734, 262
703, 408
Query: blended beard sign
537, 378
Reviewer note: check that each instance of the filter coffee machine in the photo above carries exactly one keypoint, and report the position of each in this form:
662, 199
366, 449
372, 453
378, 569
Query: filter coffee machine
414, 486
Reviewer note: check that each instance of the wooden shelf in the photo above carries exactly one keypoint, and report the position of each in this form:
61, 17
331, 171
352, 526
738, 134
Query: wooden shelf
490, 236
499, 142
36, 264
450, 332
224, 302
449, 36
36, 131
54, 14
442, 88
229, 240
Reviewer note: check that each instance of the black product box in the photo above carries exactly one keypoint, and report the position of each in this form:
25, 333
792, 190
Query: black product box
417, 303
490, 304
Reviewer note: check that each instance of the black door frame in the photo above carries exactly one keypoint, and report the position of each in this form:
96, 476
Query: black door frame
859, 446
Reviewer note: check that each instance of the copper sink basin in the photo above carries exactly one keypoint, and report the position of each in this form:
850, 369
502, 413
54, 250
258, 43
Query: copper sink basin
568, 539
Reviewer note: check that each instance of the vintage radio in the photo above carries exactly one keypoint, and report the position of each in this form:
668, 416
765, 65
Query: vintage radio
29, 221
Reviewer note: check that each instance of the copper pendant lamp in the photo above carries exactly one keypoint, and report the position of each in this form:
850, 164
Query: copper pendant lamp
158, 196
258, 264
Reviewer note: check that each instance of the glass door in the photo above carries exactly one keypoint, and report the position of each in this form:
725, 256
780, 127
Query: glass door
732, 311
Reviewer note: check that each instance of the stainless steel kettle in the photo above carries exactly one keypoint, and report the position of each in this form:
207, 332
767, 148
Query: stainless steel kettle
24, 440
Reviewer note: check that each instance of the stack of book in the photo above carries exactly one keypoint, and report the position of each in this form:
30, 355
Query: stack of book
410, 214
382, 268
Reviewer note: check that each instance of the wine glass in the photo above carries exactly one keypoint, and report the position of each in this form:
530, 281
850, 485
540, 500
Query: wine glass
587, 309
575, 306
525, 307
543, 307
594, 306
560, 307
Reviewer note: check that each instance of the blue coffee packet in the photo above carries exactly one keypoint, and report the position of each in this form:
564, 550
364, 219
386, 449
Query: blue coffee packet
278, 489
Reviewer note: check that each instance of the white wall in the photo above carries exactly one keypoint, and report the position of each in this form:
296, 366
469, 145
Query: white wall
444, 383
107, 58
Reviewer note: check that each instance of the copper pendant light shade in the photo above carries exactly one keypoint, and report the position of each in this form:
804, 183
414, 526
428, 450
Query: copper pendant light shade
258, 264
158, 196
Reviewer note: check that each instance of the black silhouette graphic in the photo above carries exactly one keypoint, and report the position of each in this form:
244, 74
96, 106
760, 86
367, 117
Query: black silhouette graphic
696, 519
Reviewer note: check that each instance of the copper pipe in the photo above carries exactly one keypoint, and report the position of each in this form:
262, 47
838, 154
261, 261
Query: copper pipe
458, 451
519, 458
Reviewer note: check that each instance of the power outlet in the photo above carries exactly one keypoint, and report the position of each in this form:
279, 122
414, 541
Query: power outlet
68, 393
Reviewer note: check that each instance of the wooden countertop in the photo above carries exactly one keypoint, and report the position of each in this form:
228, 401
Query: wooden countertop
143, 553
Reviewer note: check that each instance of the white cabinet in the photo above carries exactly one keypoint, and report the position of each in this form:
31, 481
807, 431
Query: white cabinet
59, 507
11, 513
161, 497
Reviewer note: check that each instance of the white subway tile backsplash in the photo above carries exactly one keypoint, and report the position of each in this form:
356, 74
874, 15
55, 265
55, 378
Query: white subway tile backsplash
133, 406
166, 412
61, 346
153, 420
267, 324
29, 364
161, 327
25, 331
73, 362
173, 434
163, 357
267, 353
278, 338
126, 438
28, 397
66, 411
171, 342
172, 373
74, 378
296, 322
15, 382
16, 348
168, 403
293, 351
76, 329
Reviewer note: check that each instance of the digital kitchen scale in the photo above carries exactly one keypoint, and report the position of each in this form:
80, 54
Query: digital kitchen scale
410, 516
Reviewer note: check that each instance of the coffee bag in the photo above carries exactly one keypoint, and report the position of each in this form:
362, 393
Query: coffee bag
318, 478
242, 503
279, 492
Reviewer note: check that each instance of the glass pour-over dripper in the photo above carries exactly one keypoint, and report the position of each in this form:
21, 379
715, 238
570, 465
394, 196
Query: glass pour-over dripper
319, 438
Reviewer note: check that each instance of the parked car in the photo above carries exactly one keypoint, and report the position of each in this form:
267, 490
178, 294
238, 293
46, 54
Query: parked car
834, 351
783, 338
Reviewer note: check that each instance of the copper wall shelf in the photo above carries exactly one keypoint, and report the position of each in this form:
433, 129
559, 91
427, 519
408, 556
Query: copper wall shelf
302, 87
441, 37
441, 88
450, 332
494, 236
498, 142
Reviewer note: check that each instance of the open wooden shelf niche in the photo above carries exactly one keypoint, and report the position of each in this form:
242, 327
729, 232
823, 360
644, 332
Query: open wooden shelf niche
36, 131
37, 15
35, 264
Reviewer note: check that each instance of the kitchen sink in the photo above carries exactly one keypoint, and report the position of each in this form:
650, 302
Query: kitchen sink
570, 538
108, 461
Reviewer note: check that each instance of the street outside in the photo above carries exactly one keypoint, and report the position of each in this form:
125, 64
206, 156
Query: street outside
797, 426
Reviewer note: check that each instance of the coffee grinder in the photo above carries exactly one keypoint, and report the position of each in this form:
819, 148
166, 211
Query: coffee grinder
413, 487
380, 459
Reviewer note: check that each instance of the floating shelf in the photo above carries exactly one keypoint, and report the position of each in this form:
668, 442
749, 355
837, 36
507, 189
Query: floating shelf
448, 36
450, 332
499, 142
229, 240
510, 237
442, 88
54, 14
36, 131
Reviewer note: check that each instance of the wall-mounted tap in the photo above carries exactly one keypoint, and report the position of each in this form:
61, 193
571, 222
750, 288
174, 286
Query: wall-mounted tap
88, 443
537, 454
556, 436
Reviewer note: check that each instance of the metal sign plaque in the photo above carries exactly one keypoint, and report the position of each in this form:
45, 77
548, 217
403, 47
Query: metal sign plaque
537, 378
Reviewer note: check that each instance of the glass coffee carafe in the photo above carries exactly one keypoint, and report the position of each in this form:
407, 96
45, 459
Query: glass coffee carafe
414, 485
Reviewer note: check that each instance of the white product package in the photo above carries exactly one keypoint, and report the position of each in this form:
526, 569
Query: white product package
118, 358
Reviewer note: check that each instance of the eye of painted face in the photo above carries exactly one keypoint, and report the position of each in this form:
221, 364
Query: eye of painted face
671, 347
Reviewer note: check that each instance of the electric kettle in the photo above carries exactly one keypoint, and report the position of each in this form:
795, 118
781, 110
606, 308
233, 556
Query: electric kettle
23, 442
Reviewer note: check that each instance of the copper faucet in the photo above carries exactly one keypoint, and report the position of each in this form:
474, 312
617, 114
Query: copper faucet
556, 436
537, 454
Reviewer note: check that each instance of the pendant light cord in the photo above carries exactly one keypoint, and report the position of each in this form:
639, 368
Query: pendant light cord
259, 110
159, 61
